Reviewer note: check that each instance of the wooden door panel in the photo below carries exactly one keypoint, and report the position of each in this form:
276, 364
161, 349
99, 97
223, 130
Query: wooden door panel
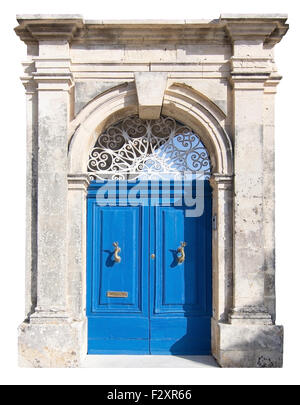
122, 225
117, 324
181, 306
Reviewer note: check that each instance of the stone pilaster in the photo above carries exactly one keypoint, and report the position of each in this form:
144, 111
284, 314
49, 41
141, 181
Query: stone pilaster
248, 246
77, 185
222, 245
31, 190
53, 80
51, 337
221, 253
250, 68
269, 192
250, 339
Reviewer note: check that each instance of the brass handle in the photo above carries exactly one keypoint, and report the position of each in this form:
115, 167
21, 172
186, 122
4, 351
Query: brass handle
117, 258
180, 250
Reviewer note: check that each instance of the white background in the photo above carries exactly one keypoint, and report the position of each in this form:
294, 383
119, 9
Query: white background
12, 189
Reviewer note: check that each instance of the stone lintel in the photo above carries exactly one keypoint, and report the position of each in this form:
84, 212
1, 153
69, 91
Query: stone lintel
268, 28
150, 87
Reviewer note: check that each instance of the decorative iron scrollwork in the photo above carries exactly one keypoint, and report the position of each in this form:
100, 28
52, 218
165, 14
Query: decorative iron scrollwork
147, 147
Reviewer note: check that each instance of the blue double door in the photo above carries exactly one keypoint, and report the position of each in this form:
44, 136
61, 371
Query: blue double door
144, 294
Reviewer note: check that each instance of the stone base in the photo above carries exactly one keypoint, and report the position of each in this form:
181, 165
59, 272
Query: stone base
250, 315
247, 345
56, 344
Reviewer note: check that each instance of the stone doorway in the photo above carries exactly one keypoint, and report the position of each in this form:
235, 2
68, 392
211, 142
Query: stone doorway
219, 78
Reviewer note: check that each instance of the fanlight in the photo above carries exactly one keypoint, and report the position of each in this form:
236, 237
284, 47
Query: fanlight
136, 148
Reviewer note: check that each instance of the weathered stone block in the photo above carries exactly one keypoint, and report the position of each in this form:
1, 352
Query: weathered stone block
249, 345
150, 87
57, 344
86, 90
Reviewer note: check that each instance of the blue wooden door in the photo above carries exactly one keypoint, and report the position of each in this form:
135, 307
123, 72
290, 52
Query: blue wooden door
148, 303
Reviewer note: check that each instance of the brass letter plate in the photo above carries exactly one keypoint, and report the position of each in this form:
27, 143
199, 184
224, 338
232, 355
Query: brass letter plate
117, 294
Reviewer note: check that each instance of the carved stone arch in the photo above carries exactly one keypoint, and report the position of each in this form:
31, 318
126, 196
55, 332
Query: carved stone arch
205, 117
185, 105
105, 109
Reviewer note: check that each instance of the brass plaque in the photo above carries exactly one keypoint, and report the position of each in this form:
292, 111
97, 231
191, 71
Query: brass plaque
117, 294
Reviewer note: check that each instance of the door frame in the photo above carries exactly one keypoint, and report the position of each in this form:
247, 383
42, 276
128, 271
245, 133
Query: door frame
118, 103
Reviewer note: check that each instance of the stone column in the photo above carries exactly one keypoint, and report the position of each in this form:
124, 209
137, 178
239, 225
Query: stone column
254, 197
53, 85
51, 337
250, 68
243, 342
248, 252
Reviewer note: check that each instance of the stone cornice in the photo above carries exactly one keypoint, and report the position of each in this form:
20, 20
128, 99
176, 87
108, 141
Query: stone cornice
225, 30
78, 182
27, 79
272, 83
249, 81
219, 181
47, 74
267, 28
35, 28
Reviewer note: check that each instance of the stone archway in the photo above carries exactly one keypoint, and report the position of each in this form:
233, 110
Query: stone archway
202, 116
191, 108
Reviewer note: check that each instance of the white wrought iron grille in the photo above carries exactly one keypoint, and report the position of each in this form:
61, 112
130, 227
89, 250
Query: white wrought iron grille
136, 148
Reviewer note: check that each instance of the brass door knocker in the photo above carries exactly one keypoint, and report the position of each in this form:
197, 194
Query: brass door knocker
181, 255
117, 258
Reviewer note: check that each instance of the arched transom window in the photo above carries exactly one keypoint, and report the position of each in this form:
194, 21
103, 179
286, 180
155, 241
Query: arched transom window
136, 148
